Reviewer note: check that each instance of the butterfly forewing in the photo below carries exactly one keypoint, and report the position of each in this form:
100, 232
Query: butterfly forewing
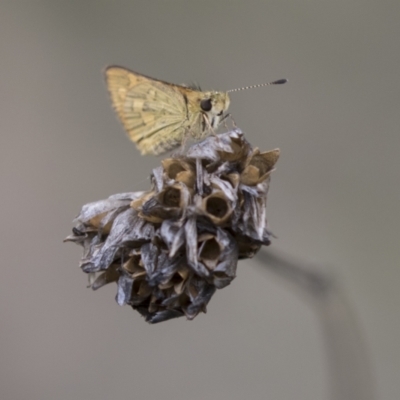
142, 116
152, 112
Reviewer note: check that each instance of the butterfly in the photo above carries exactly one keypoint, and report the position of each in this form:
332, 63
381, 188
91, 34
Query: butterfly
159, 116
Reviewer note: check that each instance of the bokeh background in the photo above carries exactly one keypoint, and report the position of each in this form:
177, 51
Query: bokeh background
334, 199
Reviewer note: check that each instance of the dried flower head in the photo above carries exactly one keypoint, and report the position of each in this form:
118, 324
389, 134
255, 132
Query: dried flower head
170, 248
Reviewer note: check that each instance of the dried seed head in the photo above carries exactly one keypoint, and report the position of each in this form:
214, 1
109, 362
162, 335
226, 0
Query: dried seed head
170, 248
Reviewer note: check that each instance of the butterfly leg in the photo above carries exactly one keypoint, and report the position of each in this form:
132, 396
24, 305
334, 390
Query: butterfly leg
181, 150
209, 126
211, 129
225, 117
183, 143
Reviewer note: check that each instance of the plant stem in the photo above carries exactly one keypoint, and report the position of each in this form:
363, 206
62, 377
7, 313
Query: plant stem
350, 374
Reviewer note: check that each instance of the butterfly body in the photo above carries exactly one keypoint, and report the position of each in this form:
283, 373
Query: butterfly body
158, 116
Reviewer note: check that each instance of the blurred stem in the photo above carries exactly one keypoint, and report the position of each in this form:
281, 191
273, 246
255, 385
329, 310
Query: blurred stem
350, 374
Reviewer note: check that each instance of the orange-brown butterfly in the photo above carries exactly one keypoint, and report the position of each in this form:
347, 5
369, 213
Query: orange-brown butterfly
158, 116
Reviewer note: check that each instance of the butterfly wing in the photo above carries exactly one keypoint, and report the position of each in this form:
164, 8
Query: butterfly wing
154, 113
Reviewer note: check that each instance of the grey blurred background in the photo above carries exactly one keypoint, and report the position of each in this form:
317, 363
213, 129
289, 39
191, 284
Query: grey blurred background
334, 199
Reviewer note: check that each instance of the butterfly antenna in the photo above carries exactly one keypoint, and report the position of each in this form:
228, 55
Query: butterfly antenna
278, 82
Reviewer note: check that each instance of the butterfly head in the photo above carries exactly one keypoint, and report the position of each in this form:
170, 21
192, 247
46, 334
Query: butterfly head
214, 104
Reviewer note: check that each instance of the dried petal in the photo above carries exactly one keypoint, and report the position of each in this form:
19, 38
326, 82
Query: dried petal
137, 203
191, 248
200, 293
124, 293
119, 234
172, 233
110, 275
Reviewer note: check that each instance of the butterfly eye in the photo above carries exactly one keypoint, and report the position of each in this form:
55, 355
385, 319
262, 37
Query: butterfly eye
206, 105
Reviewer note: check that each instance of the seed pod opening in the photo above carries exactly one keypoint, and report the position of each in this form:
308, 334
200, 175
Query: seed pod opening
259, 166
179, 171
217, 208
